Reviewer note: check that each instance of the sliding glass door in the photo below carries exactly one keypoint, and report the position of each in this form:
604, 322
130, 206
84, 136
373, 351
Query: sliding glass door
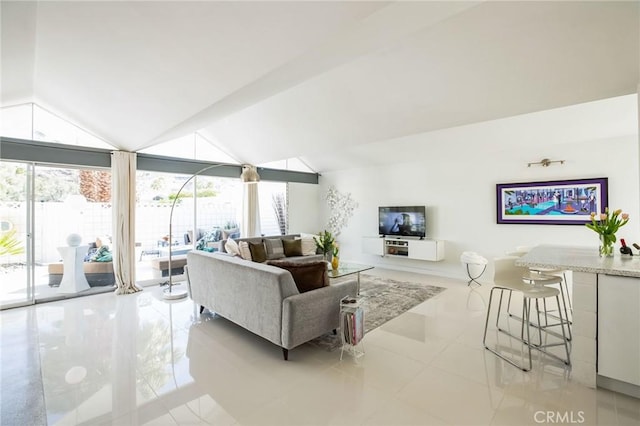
40, 207
16, 286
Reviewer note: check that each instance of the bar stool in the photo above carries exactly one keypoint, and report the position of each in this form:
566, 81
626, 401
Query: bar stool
562, 286
535, 279
508, 277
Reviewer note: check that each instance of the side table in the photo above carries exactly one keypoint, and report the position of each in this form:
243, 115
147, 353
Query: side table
73, 278
476, 265
351, 326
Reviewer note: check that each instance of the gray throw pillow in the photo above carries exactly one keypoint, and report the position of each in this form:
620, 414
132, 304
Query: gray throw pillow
274, 247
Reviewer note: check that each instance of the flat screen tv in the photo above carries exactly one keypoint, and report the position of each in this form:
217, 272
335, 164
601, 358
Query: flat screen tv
403, 221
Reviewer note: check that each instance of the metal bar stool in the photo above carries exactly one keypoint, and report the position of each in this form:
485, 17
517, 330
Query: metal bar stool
508, 277
538, 279
562, 286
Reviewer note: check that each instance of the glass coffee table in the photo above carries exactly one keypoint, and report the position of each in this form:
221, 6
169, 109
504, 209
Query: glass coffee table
349, 269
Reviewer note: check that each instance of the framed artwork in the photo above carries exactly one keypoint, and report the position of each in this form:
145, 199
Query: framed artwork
562, 202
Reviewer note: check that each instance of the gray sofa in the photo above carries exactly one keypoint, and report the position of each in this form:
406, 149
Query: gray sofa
260, 239
264, 299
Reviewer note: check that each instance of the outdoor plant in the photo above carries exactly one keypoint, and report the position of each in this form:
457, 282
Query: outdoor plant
10, 244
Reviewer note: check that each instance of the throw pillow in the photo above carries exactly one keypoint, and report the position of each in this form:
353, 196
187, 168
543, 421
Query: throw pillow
274, 248
258, 252
232, 247
245, 252
229, 233
307, 275
292, 247
308, 246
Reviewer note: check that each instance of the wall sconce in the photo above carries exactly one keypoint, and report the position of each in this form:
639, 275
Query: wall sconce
545, 162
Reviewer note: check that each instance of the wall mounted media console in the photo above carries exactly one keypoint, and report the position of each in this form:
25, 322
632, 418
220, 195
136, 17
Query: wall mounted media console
432, 250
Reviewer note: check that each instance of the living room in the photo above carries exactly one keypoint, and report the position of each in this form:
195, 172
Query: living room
409, 103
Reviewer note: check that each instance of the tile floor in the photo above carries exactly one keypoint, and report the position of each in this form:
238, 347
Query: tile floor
138, 360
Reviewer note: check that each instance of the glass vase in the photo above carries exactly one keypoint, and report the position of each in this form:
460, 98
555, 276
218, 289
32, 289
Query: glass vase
328, 259
606, 245
335, 263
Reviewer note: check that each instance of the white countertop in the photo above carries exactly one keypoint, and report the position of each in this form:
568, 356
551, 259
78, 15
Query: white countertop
581, 259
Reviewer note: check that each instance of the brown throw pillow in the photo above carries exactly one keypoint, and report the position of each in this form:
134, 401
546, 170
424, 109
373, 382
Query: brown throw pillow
258, 252
307, 276
292, 247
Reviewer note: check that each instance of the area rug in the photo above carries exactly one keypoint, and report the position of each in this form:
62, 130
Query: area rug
382, 300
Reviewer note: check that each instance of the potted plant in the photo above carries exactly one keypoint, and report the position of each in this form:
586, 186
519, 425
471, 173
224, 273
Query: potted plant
606, 225
324, 242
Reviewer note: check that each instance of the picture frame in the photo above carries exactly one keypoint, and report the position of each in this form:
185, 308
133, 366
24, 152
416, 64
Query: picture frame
560, 202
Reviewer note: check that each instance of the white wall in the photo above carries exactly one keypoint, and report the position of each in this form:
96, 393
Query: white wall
305, 205
457, 182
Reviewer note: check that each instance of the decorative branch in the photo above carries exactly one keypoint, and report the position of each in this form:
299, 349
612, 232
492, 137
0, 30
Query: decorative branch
341, 207
279, 208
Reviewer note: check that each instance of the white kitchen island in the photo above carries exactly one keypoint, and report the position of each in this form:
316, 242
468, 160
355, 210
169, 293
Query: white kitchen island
606, 314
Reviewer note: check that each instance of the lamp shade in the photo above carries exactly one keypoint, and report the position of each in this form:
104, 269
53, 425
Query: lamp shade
249, 174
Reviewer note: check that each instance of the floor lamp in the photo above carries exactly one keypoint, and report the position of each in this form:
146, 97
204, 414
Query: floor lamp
249, 175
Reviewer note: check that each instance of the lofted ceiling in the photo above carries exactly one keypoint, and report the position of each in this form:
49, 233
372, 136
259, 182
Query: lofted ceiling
270, 80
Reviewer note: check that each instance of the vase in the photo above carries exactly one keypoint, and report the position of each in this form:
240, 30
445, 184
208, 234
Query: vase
606, 245
328, 259
335, 262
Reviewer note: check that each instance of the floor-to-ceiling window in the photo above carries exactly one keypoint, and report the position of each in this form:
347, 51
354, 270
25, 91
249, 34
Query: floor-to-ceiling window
56, 183
207, 209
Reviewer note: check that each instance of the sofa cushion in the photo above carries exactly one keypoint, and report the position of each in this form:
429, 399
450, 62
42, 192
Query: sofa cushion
258, 252
232, 247
307, 275
274, 248
245, 252
308, 245
292, 247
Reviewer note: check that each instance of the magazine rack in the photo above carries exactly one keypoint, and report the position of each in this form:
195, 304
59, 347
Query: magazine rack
351, 326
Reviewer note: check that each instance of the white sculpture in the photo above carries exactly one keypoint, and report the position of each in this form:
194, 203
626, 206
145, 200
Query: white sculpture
74, 240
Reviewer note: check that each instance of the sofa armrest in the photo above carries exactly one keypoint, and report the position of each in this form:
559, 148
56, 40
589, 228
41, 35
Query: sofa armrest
308, 315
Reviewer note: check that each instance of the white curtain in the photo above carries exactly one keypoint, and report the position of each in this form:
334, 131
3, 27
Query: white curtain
123, 184
250, 211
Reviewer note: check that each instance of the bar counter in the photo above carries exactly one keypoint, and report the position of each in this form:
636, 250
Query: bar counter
606, 314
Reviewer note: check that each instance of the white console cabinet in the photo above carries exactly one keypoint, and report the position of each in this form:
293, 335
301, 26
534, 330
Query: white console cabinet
432, 250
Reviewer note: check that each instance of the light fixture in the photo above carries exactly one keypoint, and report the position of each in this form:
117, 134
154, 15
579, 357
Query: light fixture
249, 175
545, 162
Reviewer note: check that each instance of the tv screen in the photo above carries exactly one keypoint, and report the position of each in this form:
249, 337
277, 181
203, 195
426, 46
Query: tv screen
403, 221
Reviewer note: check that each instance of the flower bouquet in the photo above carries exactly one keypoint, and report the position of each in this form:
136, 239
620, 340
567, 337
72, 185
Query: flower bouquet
606, 225
324, 241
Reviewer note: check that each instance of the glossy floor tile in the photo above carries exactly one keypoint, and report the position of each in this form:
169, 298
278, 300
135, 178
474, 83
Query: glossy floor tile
140, 360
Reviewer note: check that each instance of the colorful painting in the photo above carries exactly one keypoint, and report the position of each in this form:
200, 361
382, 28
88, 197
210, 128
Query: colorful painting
564, 202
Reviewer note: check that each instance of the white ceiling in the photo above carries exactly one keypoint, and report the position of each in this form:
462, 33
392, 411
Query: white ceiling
272, 80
